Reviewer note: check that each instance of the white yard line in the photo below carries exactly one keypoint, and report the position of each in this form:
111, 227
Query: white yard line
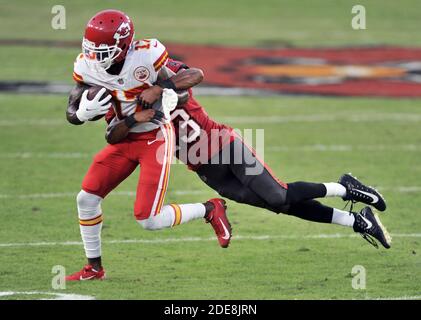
32, 122
345, 148
54, 295
199, 239
73, 296
337, 117
45, 155
401, 189
397, 298
281, 148
114, 193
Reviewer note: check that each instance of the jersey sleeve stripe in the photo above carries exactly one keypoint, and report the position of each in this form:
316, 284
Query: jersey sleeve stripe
162, 56
169, 133
161, 61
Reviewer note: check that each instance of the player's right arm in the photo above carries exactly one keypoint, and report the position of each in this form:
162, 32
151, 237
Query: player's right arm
76, 93
73, 104
81, 109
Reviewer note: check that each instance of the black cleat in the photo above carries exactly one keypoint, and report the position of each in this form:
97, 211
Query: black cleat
356, 191
369, 226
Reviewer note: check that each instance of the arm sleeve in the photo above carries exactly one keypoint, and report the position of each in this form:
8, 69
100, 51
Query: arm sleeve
77, 69
175, 65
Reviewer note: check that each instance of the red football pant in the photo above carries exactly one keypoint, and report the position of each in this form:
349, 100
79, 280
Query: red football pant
153, 151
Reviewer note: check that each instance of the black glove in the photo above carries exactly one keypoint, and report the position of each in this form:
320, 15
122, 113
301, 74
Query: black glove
157, 117
143, 104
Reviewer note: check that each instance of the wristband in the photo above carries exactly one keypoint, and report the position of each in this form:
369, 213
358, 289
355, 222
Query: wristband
130, 121
168, 84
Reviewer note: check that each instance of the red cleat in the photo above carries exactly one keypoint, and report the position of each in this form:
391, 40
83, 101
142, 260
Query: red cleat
219, 221
87, 273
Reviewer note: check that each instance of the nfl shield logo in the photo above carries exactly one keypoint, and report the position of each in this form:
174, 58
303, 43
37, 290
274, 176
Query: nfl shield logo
120, 81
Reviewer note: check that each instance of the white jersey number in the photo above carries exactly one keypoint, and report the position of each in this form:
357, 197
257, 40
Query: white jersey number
195, 128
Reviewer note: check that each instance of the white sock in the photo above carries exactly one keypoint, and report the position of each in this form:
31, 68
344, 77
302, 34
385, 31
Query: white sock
91, 237
174, 214
188, 212
343, 218
90, 220
334, 189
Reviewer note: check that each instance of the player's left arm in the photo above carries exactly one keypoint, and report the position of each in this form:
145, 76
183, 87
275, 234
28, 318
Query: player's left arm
117, 130
183, 80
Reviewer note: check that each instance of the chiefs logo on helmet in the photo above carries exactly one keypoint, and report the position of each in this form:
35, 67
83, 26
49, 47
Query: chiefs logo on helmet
123, 31
108, 36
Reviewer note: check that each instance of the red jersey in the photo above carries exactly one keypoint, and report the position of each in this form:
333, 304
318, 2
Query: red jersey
198, 137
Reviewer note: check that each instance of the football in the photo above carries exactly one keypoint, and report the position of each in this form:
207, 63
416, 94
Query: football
92, 92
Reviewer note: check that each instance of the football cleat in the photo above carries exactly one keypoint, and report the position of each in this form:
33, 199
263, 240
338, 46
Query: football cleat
358, 192
87, 273
369, 226
219, 222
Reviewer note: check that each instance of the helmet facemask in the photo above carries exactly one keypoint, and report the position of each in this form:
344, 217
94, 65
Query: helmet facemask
100, 58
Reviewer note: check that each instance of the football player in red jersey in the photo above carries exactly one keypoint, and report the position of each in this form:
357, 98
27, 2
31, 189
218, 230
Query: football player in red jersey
222, 172
129, 69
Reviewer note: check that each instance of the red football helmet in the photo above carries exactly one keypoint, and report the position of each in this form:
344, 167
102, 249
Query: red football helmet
108, 36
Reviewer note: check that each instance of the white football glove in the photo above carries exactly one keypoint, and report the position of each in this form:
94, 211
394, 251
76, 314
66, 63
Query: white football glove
89, 109
169, 102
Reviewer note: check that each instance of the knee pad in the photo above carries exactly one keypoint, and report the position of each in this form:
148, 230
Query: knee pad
88, 205
146, 224
150, 224
162, 220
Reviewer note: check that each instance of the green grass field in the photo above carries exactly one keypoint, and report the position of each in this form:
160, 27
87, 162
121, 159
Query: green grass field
43, 160
38, 205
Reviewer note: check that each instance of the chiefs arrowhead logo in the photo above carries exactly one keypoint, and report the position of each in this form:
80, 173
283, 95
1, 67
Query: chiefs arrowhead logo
141, 74
123, 31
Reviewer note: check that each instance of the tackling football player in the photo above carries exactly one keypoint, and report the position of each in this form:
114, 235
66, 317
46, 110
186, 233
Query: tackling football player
127, 68
219, 169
